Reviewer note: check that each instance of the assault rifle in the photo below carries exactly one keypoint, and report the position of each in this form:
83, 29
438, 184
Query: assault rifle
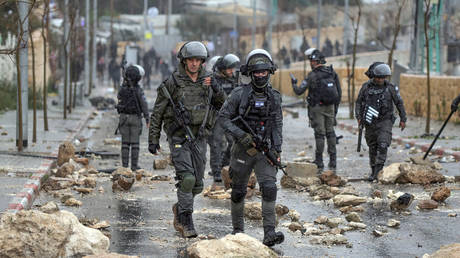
261, 145
360, 135
182, 121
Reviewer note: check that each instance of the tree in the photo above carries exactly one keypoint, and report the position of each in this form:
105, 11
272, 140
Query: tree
400, 5
45, 32
355, 24
427, 56
34, 88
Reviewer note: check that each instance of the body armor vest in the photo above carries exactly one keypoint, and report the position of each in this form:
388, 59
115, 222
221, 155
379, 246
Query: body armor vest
258, 114
376, 104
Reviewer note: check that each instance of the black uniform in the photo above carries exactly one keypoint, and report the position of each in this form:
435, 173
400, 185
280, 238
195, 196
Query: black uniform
374, 108
263, 113
131, 106
455, 102
324, 94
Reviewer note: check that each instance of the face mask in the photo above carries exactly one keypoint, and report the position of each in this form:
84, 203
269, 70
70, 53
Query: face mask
260, 82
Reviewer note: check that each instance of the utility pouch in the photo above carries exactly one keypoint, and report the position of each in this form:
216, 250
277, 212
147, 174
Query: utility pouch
251, 151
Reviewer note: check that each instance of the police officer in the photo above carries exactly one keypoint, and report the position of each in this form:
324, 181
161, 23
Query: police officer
224, 75
455, 102
188, 93
131, 106
374, 108
259, 105
324, 95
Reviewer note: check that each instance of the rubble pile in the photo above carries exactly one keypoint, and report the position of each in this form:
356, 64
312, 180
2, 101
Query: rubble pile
102, 103
418, 171
222, 193
122, 179
238, 245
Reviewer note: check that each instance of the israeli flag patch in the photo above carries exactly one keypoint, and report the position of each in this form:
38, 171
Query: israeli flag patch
259, 104
330, 84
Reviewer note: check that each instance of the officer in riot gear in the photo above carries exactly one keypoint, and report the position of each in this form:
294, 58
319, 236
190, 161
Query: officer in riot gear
184, 109
455, 102
259, 106
324, 95
131, 106
374, 108
224, 75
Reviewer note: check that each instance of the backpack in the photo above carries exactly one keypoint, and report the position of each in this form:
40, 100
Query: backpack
327, 88
127, 101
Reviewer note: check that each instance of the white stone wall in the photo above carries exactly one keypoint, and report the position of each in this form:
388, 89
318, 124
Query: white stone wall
7, 62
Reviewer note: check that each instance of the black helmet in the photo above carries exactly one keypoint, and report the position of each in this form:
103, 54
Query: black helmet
229, 61
382, 70
193, 49
133, 74
370, 71
211, 63
314, 54
258, 59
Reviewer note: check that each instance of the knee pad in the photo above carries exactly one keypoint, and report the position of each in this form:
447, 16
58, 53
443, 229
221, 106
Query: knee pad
238, 193
268, 191
319, 135
187, 182
198, 188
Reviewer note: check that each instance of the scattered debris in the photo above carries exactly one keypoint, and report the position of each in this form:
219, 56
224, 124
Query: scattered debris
160, 163
453, 214
350, 208
294, 215
216, 192
441, 194
353, 216
302, 154
123, 179
427, 204
294, 226
161, 178
281, 210
389, 174
301, 169
4, 133
65, 153
102, 103
402, 203
238, 245
83, 190
72, 202
445, 251
57, 183
49, 207
392, 223
357, 225
253, 210
329, 240
341, 200
331, 179
112, 141
377, 194
377, 233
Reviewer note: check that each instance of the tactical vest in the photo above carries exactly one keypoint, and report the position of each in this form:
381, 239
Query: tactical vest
127, 101
377, 104
259, 112
324, 89
194, 97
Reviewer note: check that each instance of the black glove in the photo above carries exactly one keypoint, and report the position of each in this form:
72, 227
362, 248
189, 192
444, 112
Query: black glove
294, 81
247, 140
214, 85
454, 106
153, 147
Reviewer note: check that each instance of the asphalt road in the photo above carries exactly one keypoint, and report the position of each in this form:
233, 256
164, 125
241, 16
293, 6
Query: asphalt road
141, 219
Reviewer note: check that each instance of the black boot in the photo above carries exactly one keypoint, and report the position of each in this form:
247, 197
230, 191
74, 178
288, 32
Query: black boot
271, 237
134, 157
378, 168
189, 228
217, 177
372, 175
177, 225
319, 161
332, 161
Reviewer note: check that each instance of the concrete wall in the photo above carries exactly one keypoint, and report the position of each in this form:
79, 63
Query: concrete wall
443, 90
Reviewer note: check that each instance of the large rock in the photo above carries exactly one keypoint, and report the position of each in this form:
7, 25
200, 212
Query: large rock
446, 251
419, 174
281, 210
341, 200
239, 245
33, 233
123, 179
389, 174
402, 202
160, 163
331, 179
66, 152
57, 183
441, 194
301, 169
425, 162
295, 182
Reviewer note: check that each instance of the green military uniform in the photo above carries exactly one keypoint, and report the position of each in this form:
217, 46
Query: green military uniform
321, 114
188, 163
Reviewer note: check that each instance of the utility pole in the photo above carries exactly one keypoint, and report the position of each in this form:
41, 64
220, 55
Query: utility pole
345, 29
254, 17
270, 25
93, 68
87, 48
66, 55
318, 34
145, 25
168, 17
111, 22
235, 26
23, 75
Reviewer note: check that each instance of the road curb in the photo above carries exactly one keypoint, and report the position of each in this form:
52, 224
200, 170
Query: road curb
25, 198
402, 141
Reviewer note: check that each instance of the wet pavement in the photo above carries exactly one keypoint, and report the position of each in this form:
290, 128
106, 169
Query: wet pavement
141, 219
